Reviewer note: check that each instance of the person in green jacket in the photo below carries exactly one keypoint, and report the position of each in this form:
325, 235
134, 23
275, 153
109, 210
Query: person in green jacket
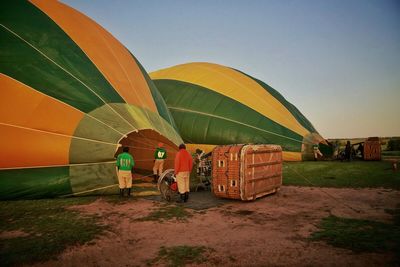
159, 157
125, 165
316, 152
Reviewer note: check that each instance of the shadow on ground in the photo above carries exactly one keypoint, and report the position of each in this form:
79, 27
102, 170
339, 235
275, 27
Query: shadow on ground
199, 200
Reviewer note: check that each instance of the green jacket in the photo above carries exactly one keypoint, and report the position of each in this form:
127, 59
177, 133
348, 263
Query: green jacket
160, 153
125, 161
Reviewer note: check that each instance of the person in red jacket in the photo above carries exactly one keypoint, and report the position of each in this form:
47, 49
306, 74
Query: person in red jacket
183, 167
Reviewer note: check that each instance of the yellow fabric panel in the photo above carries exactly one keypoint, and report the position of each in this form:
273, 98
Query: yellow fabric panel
291, 156
287, 156
111, 58
206, 148
27, 148
23, 106
235, 85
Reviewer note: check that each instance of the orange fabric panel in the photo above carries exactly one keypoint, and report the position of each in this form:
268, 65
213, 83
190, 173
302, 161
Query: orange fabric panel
21, 105
111, 58
27, 148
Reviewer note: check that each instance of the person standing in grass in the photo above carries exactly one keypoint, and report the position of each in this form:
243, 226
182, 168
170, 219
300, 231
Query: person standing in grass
316, 152
336, 150
159, 157
125, 165
347, 151
360, 149
183, 167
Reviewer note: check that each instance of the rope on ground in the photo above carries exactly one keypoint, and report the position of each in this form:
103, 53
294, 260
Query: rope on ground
88, 191
95, 189
326, 193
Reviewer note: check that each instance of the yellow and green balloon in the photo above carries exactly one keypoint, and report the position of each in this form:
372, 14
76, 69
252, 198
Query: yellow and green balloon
217, 105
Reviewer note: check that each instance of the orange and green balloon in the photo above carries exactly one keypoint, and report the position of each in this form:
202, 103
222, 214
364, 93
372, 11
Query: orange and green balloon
70, 96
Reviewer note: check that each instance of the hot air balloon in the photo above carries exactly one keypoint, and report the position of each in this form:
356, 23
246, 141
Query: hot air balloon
217, 105
70, 96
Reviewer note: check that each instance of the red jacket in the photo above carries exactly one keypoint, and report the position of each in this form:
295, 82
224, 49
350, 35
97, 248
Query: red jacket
183, 161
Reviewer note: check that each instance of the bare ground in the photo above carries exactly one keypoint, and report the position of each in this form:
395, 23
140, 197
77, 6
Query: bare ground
271, 231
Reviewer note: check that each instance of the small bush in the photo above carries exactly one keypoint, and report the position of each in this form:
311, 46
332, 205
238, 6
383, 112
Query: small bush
394, 144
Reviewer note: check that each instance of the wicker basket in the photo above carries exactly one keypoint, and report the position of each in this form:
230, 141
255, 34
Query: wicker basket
246, 172
372, 149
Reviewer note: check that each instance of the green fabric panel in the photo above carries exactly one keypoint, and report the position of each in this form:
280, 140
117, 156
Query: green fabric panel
145, 119
116, 119
84, 151
126, 118
94, 176
34, 183
23, 63
90, 128
205, 129
295, 112
137, 118
222, 132
158, 99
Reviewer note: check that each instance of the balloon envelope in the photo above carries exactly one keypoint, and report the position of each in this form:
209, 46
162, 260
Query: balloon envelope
217, 105
71, 95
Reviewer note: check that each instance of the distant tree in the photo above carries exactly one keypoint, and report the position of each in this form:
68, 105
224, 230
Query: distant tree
394, 144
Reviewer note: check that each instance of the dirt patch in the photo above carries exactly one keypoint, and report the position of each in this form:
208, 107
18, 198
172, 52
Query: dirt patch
271, 231
13, 234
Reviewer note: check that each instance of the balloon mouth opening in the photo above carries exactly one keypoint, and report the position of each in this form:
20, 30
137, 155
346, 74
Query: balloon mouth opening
142, 145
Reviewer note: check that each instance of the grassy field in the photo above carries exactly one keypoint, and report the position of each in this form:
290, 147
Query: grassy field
391, 153
361, 235
355, 174
356, 235
41, 229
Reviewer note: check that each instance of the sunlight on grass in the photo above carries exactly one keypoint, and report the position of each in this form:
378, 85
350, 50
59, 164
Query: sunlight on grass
356, 174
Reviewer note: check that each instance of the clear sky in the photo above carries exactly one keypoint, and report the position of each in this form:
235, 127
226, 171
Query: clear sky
337, 61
